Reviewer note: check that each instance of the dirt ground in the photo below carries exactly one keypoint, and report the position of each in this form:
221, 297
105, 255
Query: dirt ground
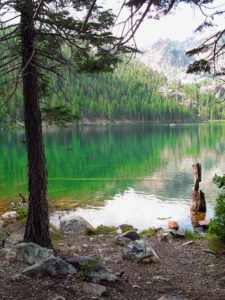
187, 272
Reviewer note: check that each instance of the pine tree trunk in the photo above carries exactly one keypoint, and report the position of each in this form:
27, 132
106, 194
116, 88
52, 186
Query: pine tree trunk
37, 227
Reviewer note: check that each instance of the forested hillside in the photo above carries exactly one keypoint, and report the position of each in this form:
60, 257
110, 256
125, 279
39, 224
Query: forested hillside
131, 93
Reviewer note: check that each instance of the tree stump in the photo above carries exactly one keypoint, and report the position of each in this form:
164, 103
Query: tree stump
198, 204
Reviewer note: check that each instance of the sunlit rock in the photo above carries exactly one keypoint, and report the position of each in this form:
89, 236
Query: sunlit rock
139, 251
75, 224
29, 253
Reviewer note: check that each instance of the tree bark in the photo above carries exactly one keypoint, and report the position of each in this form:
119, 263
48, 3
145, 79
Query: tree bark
37, 227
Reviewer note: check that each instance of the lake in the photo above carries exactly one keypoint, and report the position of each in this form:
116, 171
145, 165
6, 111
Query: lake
140, 173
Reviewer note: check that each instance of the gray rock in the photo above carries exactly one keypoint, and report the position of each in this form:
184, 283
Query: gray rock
210, 252
92, 267
131, 234
29, 253
165, 236
94, 288
122, 241
19, 277
9, 216
58, 298
75, 224
3, 235
169, 297
13, 240
177, 234
4, 263
82, 262
139, 251
52, 267
222, 281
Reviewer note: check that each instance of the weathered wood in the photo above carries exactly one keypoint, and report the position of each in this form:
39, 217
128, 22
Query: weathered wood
198, 204
196, 218
197, 171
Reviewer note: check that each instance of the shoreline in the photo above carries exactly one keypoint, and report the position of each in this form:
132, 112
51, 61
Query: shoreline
107, 123
183, 263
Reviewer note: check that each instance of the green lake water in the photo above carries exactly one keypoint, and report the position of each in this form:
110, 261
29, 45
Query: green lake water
141, 171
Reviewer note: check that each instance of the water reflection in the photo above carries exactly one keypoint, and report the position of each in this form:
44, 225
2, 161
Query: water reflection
93, 164
135, 208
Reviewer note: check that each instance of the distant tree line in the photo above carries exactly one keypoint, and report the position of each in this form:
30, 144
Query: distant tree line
131, 93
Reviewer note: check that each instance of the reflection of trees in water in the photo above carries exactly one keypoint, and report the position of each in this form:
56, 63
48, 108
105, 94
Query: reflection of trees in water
113, 152
207, 146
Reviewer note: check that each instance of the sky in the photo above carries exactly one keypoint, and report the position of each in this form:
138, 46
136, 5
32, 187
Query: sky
178, 25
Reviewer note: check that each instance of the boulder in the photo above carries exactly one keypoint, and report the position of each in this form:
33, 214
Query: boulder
75, 224
131, 234
165, 236
177, 234
92, 267
54, 266
173, 225
168, 236
139, 251
29, 253
13, 240
94, 288
3, 235
9, 216
121, 241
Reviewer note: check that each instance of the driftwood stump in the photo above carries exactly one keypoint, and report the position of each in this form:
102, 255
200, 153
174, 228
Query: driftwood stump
198, 204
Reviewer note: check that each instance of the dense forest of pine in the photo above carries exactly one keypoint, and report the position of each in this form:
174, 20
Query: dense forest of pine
131, 93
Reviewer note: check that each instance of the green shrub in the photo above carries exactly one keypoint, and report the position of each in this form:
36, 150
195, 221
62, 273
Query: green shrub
56, 235
21, 214
148, 232
217, 226
125, 228
189, 234
104, 230
215, 243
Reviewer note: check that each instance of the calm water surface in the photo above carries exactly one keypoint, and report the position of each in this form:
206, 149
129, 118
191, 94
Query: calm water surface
140, 172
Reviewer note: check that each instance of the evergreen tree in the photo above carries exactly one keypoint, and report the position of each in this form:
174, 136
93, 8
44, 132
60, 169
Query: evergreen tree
38, 38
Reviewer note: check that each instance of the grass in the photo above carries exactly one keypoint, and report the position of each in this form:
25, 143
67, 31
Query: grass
215, 243
126, 228
216, 121
105, 230
21, 214
189, 234
56, 235
148, 232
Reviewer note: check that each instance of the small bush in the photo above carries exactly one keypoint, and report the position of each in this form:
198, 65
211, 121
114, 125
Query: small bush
217, 226
56, 235
148, 232
124, 228
215, 243
104, 230
189, 234
21, 214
